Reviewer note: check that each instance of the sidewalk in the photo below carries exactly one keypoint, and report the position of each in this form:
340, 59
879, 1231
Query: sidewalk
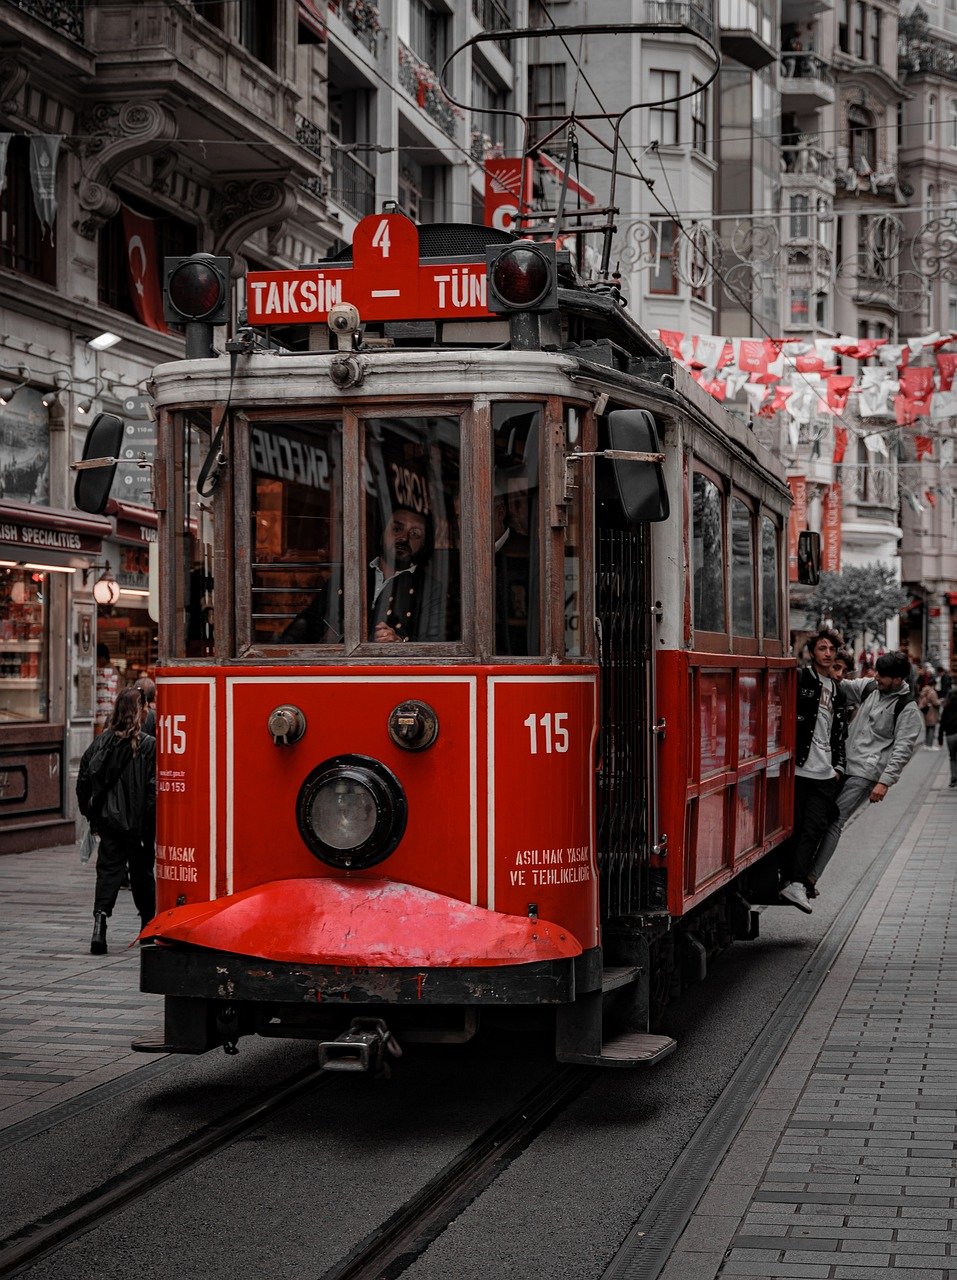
845, 1168
66, 1017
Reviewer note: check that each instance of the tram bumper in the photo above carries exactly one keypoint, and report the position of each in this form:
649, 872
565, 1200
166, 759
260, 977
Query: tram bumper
357, 941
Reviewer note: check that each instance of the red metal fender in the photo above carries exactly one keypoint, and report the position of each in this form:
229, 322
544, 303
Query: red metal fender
364, 923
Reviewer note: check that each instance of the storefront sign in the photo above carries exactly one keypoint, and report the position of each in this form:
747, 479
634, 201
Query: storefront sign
49, 531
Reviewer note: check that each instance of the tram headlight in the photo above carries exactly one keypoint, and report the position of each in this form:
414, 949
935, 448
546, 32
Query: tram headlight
351, 812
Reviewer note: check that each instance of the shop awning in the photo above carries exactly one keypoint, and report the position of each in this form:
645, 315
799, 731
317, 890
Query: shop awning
134, 523
47, 535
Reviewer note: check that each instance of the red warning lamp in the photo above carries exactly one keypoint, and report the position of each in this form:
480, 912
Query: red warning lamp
522, 277
196, 294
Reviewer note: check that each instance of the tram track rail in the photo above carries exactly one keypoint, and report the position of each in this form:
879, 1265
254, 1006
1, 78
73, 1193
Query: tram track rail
51, 1231
394, 1245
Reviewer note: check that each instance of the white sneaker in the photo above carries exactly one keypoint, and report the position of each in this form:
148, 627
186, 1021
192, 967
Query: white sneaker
796, 894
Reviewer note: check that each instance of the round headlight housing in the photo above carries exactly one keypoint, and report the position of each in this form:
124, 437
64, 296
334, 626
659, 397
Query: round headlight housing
351, 812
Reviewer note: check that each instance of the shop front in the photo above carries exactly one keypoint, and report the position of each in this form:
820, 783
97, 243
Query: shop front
48, 558
124, 625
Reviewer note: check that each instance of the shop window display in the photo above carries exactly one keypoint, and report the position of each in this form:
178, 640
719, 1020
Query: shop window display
23, 646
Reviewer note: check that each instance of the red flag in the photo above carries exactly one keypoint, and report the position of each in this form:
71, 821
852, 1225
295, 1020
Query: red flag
813, 364
924, 446
840, 443
862, 349
143, 269
946, 366
917, 387
672, 339
931, 497
776, 402
754, 356
838, 389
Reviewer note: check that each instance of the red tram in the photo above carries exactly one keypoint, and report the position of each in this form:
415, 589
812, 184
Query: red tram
475, 688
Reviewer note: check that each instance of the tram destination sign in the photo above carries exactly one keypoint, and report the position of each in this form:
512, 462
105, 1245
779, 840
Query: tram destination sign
384, 281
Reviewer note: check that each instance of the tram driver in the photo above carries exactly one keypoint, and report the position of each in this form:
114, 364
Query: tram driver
404, 601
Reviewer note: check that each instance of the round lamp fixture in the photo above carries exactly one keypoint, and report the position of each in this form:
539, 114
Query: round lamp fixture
106, 589
351, 812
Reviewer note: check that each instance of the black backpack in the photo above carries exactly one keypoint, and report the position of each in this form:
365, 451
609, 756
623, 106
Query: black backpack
872, 686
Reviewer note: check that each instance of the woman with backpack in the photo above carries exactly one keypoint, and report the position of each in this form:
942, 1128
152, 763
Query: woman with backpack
116, 792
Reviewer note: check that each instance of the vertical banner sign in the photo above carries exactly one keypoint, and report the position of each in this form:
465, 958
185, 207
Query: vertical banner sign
4, 148
142, 267
44, 149
797, 521
504, 188
831, 530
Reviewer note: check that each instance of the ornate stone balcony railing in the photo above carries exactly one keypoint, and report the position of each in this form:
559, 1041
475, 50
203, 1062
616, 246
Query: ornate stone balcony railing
492, 16
806, 158
353, 183
64, 16
697, 15
310, 136
362, 17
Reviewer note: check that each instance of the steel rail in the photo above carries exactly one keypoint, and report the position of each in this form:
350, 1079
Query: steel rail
395, 1245
33, 1241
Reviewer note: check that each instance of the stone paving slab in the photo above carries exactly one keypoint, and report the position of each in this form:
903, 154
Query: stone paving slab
66, 1017
846, 1167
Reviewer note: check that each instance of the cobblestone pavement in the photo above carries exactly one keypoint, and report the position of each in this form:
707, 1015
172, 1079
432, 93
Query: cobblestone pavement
66, 1017
845, 1168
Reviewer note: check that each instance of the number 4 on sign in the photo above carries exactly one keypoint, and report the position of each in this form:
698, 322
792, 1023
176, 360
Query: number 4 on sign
381, 238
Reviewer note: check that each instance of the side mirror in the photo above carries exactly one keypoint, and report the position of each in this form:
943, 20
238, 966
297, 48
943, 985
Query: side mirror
809, 557
97, 467
641, 485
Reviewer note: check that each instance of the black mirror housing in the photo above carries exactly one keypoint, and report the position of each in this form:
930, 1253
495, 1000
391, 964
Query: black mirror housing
641, 485
809, 557
91, 492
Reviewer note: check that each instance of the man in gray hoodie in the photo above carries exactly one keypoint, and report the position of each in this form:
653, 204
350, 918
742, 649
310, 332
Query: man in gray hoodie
882, 738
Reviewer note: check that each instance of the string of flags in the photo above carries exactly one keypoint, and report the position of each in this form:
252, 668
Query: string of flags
803, 379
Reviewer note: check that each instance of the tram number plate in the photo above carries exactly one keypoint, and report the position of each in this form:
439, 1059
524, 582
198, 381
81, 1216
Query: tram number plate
548, 731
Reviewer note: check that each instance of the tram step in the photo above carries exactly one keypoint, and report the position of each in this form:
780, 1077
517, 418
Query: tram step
613, 977
631, 1049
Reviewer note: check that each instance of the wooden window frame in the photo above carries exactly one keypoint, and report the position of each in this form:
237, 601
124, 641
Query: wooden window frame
710, 641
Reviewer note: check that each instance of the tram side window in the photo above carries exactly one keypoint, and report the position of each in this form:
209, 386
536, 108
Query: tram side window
412, 494
195, 548
742, 570
709, 612
769, 578
515, 522
296, 533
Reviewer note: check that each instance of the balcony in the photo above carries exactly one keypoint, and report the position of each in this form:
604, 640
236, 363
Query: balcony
805, 160
362, 18
699, 17
309, 136
747, 34
64, 16
870, 485
493, 16
807, 82
422, 85
869, 174
353, 184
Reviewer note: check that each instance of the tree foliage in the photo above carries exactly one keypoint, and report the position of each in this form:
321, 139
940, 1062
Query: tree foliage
858, 600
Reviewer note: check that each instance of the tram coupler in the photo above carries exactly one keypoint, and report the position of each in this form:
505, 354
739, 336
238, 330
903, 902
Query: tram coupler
366, 1046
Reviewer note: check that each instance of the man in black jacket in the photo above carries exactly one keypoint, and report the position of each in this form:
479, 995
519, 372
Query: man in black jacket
820, 763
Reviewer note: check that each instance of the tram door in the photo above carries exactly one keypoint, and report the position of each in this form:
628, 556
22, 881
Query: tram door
622, 596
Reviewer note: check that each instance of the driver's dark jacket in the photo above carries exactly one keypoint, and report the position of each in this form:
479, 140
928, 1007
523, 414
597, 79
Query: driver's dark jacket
410, 603
808, 701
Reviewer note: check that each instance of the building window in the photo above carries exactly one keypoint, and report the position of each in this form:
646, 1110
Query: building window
699, 116
952, 310
427, 34
800, 307
257, 29
862, 139
26, 245
799, 217
843, 27
173, 239
487, 102
876, 37
212, 11
664, 117
900, 124
664, 276
931, 116
860, 26
546, 98
952, 124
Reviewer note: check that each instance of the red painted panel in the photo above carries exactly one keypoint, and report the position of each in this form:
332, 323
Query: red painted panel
543, 735
185, 812
714, 720
710, 853
750, 686
348, 712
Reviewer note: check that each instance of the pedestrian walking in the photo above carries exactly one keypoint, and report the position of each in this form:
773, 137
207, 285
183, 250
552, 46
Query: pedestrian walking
821, 730
948, 727
148, 688
881, 740
928, 703
116, 792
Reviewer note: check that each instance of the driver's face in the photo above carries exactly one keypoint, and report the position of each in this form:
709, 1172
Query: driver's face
404, 538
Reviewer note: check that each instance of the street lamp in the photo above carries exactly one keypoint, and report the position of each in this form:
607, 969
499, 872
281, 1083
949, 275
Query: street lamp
106, 589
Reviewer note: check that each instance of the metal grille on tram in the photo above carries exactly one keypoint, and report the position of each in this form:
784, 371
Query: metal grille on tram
622, 779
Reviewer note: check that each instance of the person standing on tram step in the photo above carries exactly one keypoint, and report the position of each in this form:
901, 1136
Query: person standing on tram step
116, 792
948, 727
881, 740
819, 759
404, 603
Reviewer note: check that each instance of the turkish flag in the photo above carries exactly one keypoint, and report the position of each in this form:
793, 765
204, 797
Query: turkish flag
142, 266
